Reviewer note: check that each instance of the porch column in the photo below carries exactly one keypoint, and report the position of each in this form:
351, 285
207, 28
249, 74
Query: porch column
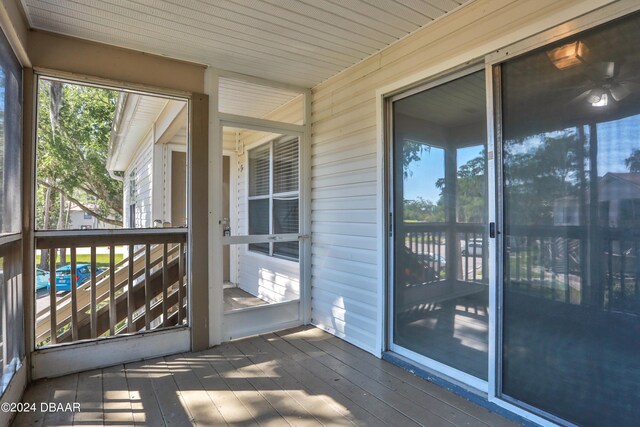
199, 220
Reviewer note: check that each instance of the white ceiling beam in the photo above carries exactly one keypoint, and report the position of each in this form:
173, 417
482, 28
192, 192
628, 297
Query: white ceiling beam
260, 81
263, 125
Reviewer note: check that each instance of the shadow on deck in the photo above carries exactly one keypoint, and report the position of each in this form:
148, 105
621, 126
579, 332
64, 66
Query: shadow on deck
301, 376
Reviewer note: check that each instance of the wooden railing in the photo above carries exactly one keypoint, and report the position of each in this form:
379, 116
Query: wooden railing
597, 266
428, 243
144, 291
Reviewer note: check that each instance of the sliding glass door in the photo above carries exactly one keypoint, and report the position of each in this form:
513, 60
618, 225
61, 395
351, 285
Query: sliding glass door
440, 248
571, 169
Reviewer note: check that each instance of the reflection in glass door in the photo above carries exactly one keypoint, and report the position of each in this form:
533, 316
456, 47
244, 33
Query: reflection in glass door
571, 166
440, 248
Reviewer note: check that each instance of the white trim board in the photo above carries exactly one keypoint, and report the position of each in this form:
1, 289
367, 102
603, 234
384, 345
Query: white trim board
68, 359
261, 319
14, 392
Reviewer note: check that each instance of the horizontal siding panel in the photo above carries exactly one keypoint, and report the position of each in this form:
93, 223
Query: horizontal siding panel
357, 242
355, 116
361, 335
360, 255
367, 216
347, 266
347, 279
344, 203
336, 180
345, 309
348, 229
344, 140
346, 190
346, 165
354, 146
365, 298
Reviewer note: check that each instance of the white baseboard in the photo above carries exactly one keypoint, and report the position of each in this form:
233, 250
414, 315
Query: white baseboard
69, 359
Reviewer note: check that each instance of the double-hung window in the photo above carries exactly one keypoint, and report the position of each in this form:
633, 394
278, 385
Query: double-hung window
274, 195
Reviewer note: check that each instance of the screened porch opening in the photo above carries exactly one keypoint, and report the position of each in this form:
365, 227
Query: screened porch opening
262, 227
110, 212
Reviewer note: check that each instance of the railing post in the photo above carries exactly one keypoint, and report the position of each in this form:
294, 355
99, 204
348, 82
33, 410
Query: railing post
147, 287
112, 291
74, 296
52, 295
165, 284
180, 282
94, 312
130, 301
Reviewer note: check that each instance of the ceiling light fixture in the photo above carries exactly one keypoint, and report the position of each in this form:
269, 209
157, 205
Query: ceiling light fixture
568, 55
602, 102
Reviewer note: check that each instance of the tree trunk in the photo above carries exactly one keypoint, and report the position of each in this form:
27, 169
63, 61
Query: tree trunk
44, 254
61, 226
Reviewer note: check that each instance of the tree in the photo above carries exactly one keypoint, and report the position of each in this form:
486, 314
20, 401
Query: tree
633, 162
74, 127
541, 171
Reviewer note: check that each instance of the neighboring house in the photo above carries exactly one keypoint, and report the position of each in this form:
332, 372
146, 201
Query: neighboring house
79, 219
618, 202
147, 152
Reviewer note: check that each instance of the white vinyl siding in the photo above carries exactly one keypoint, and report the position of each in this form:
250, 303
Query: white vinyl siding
142, 164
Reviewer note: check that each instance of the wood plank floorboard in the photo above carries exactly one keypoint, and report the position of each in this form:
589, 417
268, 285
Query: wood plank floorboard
117, 403
90, 393
297, 377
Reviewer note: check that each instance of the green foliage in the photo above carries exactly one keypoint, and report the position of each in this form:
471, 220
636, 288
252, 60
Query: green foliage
633, 162
470, 194
74, 125
423, 211
541, 170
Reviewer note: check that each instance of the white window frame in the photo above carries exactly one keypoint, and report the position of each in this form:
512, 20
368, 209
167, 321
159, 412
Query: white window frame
273, 195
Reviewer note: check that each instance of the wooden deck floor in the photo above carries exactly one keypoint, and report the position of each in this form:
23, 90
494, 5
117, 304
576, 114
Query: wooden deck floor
236, 298
299, 377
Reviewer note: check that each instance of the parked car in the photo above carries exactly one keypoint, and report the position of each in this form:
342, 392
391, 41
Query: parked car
63, 276
415, 269
472, 247
434, 258
42, 279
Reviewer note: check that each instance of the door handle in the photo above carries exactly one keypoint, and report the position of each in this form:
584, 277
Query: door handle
492, 230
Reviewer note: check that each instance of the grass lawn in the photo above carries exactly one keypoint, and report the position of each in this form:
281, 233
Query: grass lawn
102, 260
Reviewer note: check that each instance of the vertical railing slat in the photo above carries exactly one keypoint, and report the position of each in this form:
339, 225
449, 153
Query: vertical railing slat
566, 270
94, 311
147, 286
112, 291
165, 283
623, 295
610, 299
180, 282
52, 296
529, 259
74, 296
130, 301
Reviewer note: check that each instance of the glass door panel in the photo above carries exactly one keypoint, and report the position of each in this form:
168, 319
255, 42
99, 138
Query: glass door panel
440, 283
571, 165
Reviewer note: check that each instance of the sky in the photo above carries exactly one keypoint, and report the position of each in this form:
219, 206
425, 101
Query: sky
616, 141
423, 174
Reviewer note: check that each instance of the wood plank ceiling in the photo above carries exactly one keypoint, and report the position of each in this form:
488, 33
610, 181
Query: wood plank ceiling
302, 42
